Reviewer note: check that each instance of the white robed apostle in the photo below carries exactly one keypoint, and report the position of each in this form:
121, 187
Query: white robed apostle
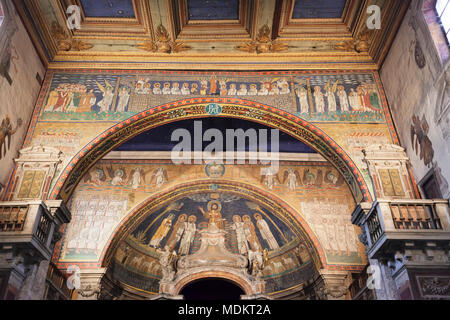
238, 227
265, 232
188, 236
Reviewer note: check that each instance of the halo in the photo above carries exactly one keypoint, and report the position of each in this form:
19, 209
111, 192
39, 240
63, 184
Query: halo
219, 205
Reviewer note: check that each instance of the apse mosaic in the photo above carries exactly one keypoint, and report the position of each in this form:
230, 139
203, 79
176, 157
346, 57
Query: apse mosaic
346, 97
138, 266
248, 226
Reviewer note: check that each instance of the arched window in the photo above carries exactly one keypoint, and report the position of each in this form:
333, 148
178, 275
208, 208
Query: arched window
437, 16
443, 11
2, 15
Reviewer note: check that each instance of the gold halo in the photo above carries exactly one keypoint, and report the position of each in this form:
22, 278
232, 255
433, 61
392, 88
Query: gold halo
219, 205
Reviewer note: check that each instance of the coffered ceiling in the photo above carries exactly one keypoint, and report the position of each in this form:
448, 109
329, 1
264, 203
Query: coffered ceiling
212, 34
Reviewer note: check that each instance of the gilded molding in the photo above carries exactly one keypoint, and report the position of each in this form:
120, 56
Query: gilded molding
65, 43
263, 43
163, 44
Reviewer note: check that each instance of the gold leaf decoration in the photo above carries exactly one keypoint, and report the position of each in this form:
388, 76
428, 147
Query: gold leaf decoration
263, 43
64, 42
148, 46
359, 44
163, 43
247, 47
78, 45
179, 47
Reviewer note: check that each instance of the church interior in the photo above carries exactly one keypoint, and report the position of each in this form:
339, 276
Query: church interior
224, 150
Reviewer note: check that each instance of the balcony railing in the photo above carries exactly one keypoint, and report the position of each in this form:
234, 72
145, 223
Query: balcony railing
12, 218
415, 216
359, 290
56, 287
32, 224
374, 226
390, 221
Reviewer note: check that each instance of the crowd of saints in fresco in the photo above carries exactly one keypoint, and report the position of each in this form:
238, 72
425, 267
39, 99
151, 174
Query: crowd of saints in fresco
310, 97
179, 225
334, 98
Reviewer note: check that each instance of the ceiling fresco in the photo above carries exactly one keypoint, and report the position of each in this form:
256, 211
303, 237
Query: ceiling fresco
108, 8
318, 9
213, 9
213, 35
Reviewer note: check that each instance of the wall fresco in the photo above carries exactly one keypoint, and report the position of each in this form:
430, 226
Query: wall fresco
20, 67
314, 189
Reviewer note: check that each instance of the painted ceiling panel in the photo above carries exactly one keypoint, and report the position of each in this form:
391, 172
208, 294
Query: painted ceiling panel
315, 9
213, 9
108, 8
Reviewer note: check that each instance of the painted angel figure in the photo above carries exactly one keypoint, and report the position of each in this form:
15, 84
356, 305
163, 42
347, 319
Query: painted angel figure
97, 178
118, 177
311, 179
6, 131
292, 179
160, 177
332, 178
108, 95
270, 178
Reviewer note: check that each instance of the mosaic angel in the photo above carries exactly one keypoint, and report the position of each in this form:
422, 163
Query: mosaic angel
292, 179
160, 177
96, 177
118, 177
